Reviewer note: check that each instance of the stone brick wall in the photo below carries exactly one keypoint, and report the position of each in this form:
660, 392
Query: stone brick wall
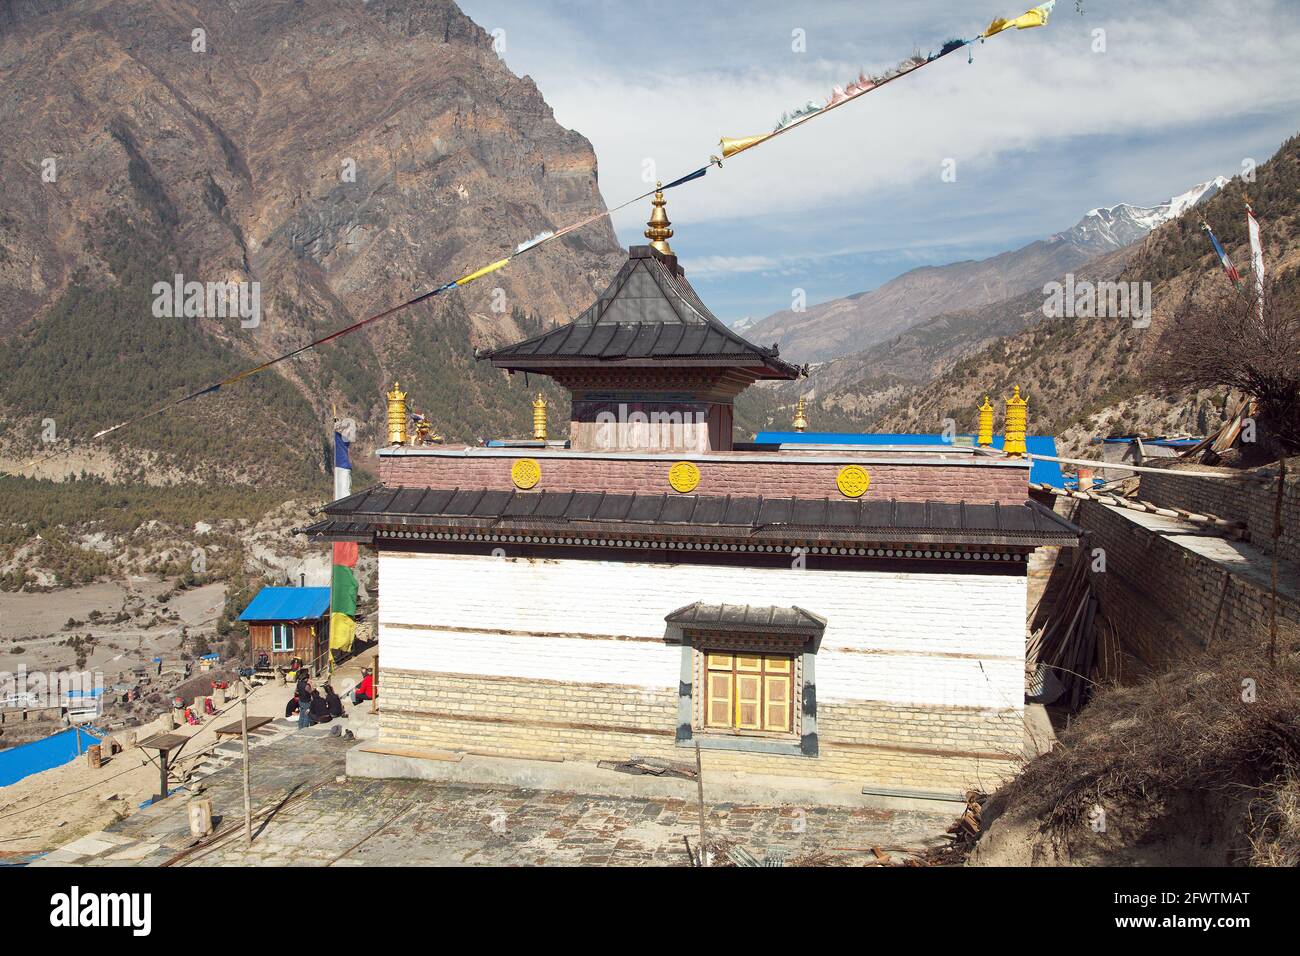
1163, 601
1238, 497
888, 745
955, 479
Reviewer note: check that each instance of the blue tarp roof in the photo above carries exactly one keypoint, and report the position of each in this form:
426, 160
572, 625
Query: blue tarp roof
54, 751
288, 604
1046, 472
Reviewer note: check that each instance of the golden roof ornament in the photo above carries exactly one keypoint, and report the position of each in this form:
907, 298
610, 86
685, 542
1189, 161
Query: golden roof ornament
397, 415
985, 436
1015, 424
800, 419
539, 418
659, 232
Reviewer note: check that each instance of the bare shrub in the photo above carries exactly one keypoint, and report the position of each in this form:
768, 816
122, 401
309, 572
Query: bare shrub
1220, 339
1191, 730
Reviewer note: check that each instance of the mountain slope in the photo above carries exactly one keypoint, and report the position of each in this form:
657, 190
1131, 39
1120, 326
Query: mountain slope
344, 156
1085, 376
844, 326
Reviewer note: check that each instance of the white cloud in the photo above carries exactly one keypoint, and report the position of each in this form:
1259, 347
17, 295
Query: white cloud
1164, 69
665, 83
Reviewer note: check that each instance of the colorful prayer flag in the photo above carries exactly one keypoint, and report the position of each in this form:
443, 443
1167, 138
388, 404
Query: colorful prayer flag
343, 597
1037, 17
343, 630
730, 147
342, 467
345, 553
1228, 267
1256, 257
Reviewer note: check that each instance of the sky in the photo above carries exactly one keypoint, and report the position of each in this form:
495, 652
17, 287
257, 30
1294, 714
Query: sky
1041, 127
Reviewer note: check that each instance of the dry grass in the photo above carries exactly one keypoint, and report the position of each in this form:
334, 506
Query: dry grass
1192, 731
1273, 825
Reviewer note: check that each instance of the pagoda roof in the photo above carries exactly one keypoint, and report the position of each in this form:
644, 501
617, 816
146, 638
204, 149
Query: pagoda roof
648, 316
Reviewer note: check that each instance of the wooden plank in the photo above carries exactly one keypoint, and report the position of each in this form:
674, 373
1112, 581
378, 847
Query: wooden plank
450, 756
236, 727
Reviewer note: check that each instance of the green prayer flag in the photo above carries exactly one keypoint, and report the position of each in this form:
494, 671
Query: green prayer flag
344, 598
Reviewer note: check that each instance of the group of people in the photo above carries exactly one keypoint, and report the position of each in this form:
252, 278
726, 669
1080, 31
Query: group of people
310, 705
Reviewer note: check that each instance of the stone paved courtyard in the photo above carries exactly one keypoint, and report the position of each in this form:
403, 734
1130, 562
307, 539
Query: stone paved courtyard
401, 822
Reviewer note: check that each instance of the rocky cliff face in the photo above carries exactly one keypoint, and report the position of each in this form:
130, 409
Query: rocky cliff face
342, 155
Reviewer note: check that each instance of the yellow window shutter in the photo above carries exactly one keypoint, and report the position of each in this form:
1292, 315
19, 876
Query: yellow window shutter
719, 703
749, 693
776, 703
779, 665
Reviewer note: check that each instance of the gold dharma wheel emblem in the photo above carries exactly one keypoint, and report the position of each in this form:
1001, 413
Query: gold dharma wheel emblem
525, 473
684, 477
853, 481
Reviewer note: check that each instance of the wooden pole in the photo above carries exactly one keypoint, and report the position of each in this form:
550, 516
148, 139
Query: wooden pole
699, 789
248, 798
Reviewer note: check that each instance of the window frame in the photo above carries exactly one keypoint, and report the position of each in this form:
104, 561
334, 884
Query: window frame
288, 631
706, 725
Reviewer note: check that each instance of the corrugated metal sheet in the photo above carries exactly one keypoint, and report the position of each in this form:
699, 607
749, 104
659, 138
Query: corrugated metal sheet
288, 604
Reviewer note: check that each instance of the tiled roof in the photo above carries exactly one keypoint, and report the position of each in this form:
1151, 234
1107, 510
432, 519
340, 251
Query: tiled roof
1028, 524
649, 313
747, 617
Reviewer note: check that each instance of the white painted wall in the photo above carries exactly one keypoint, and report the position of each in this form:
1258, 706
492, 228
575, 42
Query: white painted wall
885, 638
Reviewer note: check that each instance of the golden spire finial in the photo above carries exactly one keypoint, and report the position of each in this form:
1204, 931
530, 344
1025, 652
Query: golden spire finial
800, 419
1015, 424
396, 416
539, 418
985, 436
659, 233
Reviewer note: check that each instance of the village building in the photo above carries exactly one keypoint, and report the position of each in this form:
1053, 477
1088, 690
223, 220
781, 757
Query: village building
853, 613
285, 623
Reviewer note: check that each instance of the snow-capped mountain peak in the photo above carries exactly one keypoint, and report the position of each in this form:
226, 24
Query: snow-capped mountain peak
1123, 224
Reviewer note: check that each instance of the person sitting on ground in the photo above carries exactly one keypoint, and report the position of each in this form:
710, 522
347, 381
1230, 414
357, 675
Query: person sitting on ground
366, 689
291, 708
320, 711
333, 703
304, 708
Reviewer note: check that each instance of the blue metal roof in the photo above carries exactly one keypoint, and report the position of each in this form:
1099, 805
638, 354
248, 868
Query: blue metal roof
1046, 472
288, 604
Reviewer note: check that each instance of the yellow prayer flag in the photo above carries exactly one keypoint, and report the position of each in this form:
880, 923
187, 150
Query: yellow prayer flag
1037, 17
730, 147
342, 630
482, 272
